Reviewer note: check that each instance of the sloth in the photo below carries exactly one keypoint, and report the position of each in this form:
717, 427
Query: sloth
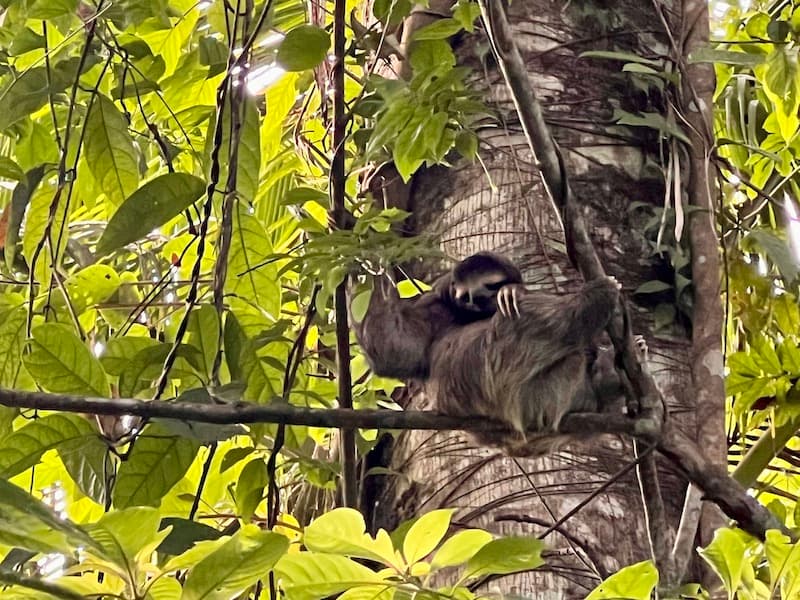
485, 347
397, 334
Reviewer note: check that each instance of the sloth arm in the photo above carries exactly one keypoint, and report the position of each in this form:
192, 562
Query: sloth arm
396, 333
563, 322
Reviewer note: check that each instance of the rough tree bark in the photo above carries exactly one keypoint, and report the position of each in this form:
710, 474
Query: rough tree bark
506, 209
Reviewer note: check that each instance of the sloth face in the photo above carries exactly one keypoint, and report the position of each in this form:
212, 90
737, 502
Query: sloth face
478, 293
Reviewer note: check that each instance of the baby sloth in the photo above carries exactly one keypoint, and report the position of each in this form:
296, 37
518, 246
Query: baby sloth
485, 347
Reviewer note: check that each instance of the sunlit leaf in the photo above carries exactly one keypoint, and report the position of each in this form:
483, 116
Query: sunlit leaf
110, 153
425, 534
238, 563
634, 582
313, 576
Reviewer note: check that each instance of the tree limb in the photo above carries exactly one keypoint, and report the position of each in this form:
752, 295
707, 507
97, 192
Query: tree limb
715, 483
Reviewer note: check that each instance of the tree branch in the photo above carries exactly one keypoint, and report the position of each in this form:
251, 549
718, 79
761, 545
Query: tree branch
715, 483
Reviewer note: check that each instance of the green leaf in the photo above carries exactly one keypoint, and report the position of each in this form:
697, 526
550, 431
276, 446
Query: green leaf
236, 565
184, 534
61, 363
29, 92
20, 198
460, 548
783, 558
11, 170
119, 352
653, 286
85, 459
26, 522
24, 448
650, 120
313, 576
440, 29
110, 153
303, 47
466, 11
431, 56
158, 461
151, 206
467, 144
359, 305
89, 286
36, 226
778, 251
634, 582
342, 531
123, 533
725, 57
781, 71
12, 341
506, 555
425, 534
250, 488
726, 555
204, 334
248, 146
250, 276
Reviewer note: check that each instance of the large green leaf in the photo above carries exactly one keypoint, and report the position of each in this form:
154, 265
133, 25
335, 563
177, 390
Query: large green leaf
26, 522
461, 547
312, 576
235, 565
726, 556
110, 153
87, 287
61, 363
425, 534
303, 47
24, 448
19, 204
342, 531
158, 461
152, 205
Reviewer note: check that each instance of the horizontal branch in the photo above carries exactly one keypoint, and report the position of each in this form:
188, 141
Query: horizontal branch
278, 412
717, 486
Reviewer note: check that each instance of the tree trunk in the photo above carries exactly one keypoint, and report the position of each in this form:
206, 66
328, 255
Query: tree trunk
506, 209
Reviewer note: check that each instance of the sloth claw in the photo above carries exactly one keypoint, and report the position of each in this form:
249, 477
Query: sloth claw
507, 302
